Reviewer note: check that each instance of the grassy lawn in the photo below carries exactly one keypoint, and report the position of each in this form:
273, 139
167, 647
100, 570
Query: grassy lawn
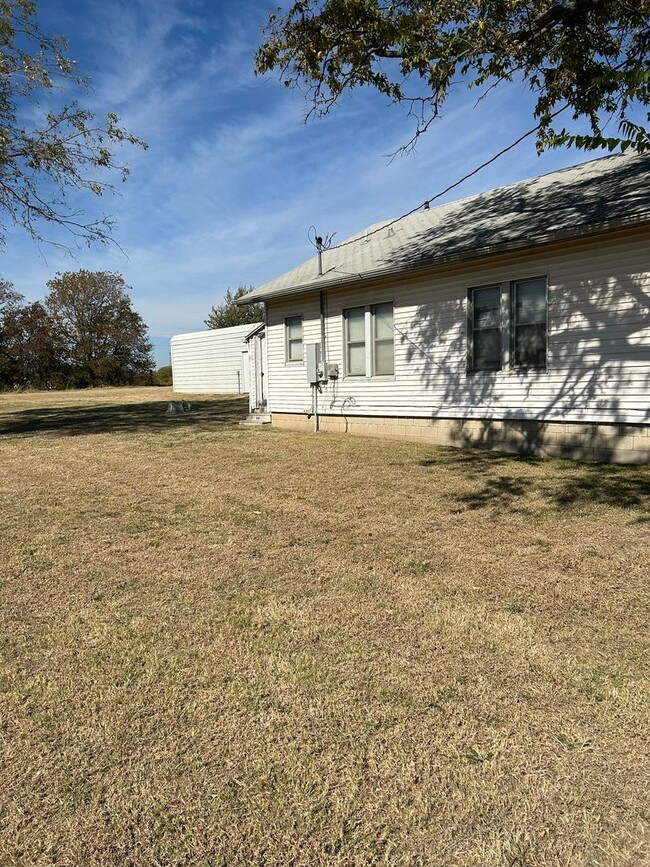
227, 646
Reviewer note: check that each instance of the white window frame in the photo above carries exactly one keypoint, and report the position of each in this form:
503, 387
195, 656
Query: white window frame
471, 329
289, 341
507, 294
369, 342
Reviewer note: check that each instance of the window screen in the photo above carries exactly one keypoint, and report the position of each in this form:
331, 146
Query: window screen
383, 340
486, 328
355, 341
294, 338
529, 323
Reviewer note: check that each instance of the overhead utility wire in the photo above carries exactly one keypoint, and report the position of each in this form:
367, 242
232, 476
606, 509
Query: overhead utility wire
466, 177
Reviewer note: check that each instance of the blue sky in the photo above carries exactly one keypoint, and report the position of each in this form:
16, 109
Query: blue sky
233, 178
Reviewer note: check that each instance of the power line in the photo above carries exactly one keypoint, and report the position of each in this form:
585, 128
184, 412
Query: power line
466, 177
439, 195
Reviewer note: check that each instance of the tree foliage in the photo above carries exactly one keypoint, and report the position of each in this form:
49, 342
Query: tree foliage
583, 59
163, 376
228, 313
86, 333
32, 351
43, 161
10, 301
106, 341
37, 349
9, 298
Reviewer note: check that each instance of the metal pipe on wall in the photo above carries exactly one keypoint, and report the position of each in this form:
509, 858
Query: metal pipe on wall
323, 356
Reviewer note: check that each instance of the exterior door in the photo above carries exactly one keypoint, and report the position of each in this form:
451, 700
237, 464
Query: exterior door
246, 372
260, 370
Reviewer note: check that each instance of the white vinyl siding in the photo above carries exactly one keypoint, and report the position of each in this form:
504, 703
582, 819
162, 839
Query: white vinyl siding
210, 362
597, 338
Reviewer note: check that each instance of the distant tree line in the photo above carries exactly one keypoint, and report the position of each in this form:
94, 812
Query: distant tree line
85, 333
163, 376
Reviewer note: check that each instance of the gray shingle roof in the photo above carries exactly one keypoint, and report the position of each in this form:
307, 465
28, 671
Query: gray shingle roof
603, 193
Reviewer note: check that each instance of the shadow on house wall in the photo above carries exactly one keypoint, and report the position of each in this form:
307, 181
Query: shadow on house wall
597, 357
598, 364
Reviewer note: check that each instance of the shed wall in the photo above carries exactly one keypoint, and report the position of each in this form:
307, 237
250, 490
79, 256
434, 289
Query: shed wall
210, 362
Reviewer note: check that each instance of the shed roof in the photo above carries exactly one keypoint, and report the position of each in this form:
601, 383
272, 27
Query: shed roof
601, 194
231, 332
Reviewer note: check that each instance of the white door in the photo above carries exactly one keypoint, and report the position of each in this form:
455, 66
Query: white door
260, 370
246, 372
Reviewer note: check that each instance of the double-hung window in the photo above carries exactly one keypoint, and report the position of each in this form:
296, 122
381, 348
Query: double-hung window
293, 338
506, 326
369, 340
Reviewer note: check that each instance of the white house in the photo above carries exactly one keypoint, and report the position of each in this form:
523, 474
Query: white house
516, 319
211, 362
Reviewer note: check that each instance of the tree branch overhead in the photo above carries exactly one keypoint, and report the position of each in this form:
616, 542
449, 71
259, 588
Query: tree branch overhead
588, 55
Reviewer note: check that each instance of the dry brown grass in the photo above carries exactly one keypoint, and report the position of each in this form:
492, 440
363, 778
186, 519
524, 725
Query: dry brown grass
227, 646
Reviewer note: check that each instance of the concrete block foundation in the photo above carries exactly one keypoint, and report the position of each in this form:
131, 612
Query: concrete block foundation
608, 443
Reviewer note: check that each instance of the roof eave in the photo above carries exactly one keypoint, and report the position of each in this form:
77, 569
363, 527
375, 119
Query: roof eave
256, 330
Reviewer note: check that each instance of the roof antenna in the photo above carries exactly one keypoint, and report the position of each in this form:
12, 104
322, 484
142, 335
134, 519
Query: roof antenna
321, 244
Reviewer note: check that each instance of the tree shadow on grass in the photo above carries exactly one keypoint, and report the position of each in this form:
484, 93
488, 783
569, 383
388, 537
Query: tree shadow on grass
501, 493
608, 484
122, 418
562, 484
478, 460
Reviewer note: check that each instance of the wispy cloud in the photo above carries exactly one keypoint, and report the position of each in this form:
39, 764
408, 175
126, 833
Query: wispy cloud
233, 179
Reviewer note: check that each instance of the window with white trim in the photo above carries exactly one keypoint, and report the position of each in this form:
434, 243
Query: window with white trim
506, 326
369, 340
486, 328
293, 338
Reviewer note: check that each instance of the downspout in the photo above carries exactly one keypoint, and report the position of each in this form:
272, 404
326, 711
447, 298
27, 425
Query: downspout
265, 366
322, 352
322, 328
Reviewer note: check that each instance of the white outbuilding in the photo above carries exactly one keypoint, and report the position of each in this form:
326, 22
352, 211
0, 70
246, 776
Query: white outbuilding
211, 362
